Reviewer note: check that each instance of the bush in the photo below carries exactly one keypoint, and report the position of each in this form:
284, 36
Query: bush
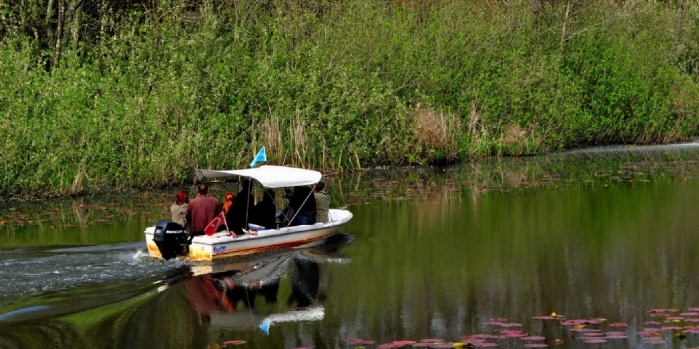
142, 96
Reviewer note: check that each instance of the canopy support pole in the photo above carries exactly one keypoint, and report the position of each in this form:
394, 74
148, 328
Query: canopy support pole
303, 203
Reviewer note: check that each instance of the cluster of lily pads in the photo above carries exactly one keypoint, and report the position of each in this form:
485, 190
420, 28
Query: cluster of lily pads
681, 325
589, 331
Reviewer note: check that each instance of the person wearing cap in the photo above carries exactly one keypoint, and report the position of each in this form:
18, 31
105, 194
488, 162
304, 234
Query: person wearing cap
322, 202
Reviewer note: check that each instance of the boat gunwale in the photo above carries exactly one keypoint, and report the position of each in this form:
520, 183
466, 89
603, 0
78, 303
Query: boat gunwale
225, 238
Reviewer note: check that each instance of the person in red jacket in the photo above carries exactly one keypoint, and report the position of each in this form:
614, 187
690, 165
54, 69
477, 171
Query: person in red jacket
201, 211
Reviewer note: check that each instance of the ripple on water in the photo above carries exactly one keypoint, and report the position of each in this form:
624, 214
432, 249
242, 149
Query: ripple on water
30, 272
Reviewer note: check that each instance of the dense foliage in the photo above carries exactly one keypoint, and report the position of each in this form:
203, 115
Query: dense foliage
103, 93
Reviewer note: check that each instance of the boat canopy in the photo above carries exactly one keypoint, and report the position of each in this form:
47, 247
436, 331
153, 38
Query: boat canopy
269, 176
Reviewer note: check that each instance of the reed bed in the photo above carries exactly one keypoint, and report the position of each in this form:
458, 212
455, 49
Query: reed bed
97, 94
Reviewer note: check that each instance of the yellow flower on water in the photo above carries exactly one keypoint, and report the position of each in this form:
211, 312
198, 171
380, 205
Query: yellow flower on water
463, 345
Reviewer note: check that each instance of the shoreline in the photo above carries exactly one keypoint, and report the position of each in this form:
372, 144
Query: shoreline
604, 150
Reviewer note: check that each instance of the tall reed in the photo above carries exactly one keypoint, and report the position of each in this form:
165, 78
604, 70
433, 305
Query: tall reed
142, 94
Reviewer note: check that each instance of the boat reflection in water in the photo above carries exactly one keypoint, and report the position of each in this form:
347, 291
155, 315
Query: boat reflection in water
221, 291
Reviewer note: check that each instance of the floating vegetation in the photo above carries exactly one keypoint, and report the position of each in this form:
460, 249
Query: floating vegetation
586, 331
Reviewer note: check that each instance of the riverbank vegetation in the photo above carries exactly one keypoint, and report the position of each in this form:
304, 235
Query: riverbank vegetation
97, 93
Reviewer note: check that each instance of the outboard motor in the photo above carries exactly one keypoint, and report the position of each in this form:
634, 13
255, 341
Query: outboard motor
171, 239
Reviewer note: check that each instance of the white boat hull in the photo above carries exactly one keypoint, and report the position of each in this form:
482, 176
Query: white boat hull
222, 245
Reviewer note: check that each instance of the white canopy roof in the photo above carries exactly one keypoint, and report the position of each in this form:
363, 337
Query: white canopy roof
269, 176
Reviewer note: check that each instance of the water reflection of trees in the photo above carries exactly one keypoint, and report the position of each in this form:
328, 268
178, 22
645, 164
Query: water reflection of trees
584, 168
452, 260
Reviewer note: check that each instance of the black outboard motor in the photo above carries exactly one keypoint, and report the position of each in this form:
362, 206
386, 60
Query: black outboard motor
171, 239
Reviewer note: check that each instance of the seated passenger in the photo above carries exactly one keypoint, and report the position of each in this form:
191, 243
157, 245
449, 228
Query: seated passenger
228, 201
302, 205
322, 202
179, 208
242, 210
265, 211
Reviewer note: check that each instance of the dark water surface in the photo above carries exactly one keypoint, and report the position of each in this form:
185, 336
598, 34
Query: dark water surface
598, 234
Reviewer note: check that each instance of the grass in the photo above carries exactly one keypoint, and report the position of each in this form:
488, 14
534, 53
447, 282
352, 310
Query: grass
142, 96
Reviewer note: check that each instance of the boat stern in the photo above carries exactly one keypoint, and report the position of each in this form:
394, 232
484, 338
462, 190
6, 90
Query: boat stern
153, 249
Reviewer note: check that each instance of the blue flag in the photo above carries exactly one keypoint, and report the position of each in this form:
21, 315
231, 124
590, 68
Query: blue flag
260, 157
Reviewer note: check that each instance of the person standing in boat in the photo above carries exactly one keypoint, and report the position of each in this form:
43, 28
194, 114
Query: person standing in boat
202, 210
242, 210
179, 208
322, 203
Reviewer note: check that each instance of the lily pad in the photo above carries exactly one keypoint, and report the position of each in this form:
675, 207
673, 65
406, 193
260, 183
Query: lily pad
235, 342
533, 338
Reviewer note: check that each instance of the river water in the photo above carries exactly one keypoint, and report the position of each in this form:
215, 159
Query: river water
609, 236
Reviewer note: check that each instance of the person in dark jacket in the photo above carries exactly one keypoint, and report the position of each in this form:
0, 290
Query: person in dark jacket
242, 209
265, 210
302, 205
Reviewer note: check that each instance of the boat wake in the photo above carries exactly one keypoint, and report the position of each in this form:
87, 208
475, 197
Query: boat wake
26, 272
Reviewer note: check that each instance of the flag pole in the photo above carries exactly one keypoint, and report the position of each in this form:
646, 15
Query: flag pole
225, 222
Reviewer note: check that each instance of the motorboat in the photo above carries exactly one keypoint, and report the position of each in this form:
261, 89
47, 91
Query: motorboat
222, 244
